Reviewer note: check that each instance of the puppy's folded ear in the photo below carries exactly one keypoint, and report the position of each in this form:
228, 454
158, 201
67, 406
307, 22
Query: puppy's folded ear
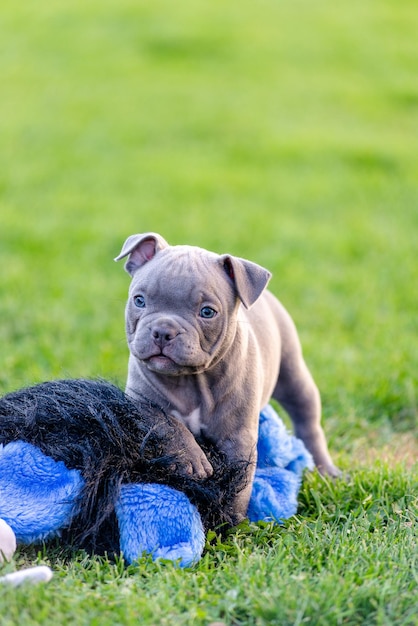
140, 248
249, 279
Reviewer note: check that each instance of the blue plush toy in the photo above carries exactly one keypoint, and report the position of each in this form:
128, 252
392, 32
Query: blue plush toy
45, 488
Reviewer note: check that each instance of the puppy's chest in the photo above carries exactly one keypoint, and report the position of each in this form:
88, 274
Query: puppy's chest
193, 421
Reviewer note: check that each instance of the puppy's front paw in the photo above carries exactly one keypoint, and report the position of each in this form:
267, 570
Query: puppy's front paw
192, 462
189, 458
198, 466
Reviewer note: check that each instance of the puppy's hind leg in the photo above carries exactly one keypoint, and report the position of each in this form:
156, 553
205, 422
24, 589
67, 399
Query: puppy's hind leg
298, 394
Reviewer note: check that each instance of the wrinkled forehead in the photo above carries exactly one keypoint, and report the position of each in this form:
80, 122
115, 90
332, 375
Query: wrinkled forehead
179, 266
186, 260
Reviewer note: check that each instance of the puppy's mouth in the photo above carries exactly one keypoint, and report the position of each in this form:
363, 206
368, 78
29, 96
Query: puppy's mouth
161, 363
160, 359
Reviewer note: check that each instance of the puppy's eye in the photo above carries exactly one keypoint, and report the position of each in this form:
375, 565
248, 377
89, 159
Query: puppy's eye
207, 312
139, 301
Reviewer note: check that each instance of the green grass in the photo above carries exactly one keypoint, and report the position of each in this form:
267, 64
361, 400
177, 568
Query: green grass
347, 558
281, 131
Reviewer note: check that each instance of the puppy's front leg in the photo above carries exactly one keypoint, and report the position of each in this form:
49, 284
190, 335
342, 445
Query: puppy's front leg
241, 448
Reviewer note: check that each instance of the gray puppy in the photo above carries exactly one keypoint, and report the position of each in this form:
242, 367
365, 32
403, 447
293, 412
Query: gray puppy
211, 346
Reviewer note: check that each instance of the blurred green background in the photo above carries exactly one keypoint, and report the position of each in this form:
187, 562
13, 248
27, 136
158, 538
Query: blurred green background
282, 131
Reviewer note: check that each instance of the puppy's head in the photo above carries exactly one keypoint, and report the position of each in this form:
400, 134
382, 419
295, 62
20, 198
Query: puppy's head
181, 313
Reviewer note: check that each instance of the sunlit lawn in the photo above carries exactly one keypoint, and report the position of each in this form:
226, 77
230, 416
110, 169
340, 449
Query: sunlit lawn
284, 132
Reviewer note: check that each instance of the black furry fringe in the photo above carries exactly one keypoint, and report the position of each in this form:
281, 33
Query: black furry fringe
92, 426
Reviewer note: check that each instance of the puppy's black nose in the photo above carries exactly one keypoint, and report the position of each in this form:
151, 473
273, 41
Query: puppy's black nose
163, 333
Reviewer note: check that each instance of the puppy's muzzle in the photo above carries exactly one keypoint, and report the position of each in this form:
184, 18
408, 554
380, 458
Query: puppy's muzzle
163, 331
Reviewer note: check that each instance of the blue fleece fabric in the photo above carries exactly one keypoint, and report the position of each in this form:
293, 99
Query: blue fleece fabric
39, 496
160, 521
281, 460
